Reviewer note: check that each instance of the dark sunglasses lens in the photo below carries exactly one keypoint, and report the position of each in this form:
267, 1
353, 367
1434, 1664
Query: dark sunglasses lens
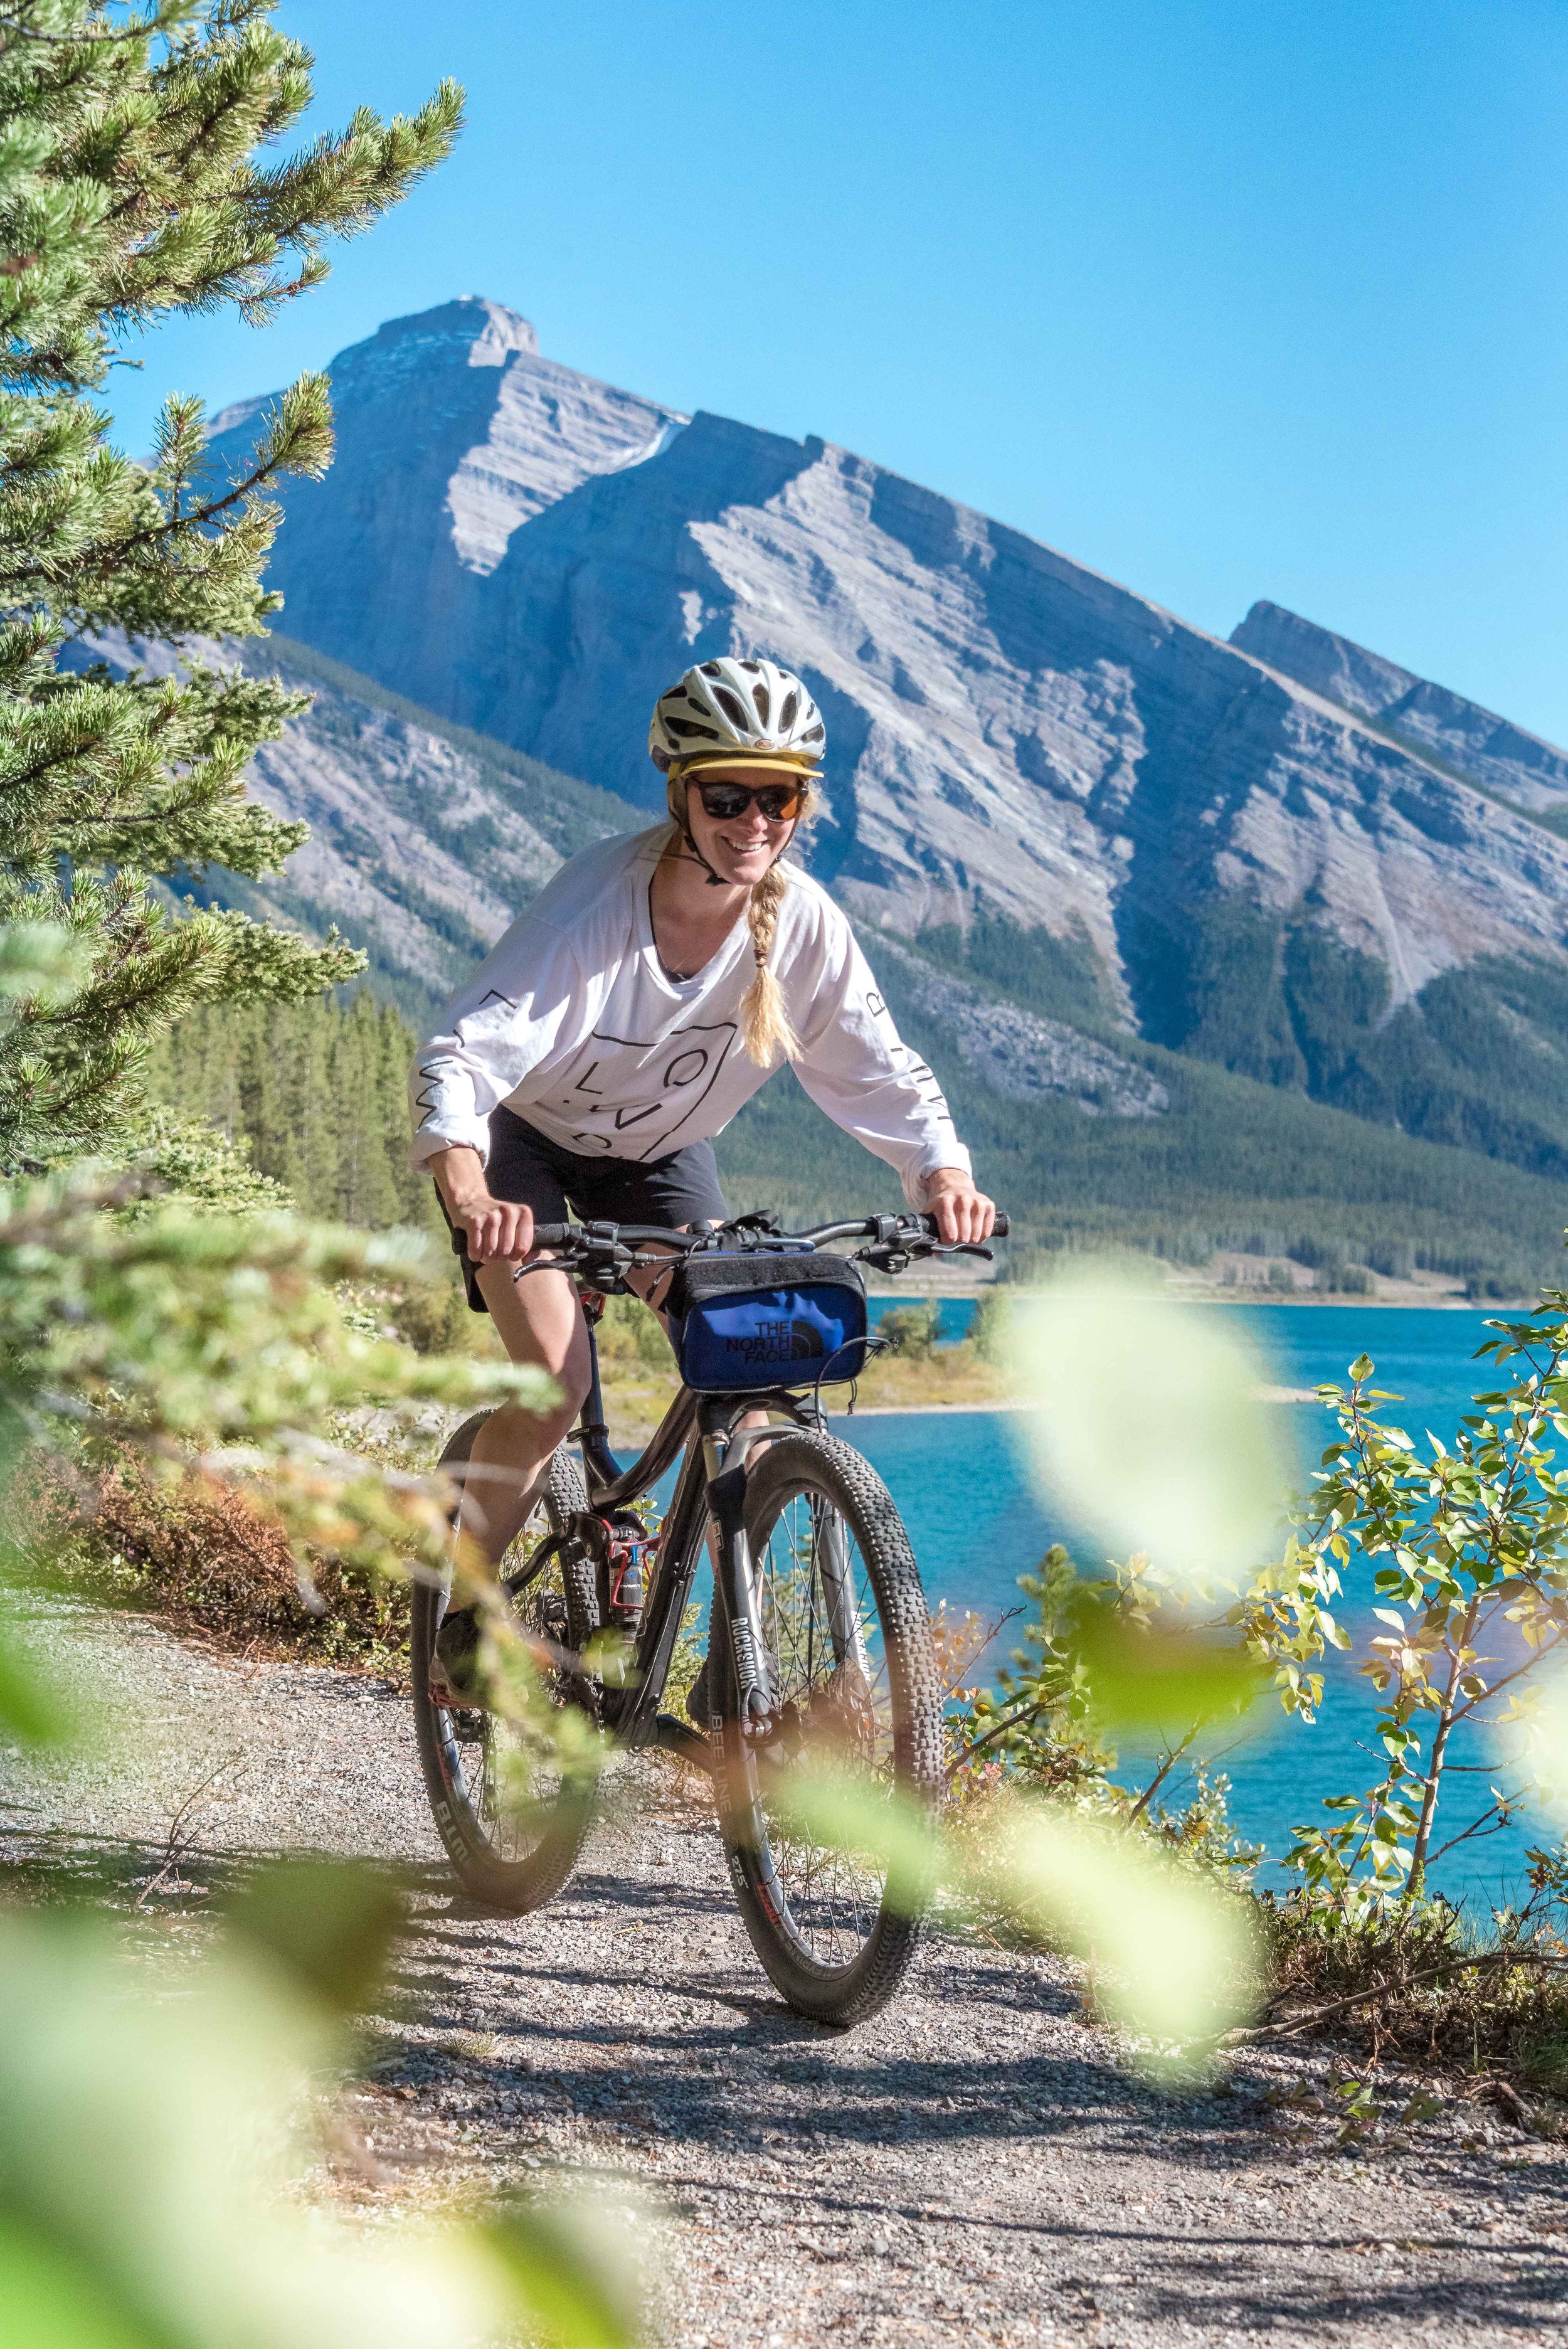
724, 800
780, 803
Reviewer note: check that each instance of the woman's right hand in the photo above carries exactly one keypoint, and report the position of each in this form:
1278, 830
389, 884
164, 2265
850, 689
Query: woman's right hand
496, 1231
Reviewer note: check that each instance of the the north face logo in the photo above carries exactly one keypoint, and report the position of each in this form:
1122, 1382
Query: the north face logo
781, 1341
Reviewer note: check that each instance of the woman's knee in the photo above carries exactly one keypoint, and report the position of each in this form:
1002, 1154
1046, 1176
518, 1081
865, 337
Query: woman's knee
521, 1426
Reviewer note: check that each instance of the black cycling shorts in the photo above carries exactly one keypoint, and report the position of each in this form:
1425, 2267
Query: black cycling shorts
526, 1166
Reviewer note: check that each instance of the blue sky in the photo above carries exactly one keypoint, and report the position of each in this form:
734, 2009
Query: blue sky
1227, 300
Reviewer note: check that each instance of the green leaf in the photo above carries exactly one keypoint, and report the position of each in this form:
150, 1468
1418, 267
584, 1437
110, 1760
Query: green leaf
574, 2271
330, 1925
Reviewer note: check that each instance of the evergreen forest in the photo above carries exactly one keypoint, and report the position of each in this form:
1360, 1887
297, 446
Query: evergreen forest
315, 1092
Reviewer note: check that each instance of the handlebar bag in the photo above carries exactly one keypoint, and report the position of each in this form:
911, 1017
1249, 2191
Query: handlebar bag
762, 1319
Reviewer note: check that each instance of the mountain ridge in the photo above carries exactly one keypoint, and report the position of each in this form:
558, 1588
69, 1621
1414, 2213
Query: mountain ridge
1500, 758
1008, 728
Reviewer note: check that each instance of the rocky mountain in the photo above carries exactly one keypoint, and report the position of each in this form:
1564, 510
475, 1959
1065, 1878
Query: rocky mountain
536, 556
1461, 736
1278, 854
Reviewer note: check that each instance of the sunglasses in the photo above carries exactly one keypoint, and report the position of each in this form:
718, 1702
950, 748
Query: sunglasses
780, 803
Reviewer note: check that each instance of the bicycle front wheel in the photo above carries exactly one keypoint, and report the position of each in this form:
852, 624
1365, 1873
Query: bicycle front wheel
514, 1819
854, 1691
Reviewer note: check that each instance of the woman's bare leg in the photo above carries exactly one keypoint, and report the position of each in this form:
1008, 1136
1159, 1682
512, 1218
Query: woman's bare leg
540, 1321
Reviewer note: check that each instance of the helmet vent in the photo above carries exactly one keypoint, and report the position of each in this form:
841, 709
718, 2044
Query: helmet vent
744, 708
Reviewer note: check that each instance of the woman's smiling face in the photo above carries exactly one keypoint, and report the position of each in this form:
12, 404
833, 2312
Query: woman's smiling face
739, 848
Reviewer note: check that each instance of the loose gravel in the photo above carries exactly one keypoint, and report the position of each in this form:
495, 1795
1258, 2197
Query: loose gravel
979, 2165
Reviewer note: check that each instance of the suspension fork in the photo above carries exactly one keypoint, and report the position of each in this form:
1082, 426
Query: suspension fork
733, 1583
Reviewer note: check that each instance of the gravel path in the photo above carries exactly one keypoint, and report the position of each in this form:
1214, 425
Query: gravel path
975, 2167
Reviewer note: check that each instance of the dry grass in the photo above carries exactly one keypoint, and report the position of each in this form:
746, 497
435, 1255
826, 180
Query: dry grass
1425, 1990
207, 1561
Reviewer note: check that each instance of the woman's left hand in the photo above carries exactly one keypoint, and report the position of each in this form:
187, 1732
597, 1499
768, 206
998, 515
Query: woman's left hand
962, 1212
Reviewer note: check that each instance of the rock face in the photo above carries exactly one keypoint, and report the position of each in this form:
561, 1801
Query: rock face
1498, 756
1018, 1054
535, 555
452, 431
423, 843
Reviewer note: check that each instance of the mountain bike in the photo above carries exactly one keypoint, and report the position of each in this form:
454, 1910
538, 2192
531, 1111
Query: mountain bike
819, 1652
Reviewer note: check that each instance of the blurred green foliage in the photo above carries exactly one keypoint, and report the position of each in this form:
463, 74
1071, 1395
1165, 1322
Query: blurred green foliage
1465, 1543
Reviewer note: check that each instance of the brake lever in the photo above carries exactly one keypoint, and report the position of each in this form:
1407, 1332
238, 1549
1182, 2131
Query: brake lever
891, 1259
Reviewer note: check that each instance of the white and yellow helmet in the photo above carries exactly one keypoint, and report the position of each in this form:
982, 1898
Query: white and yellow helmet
733, 708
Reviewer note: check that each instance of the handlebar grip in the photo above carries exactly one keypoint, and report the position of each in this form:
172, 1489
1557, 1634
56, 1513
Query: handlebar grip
998, 1229
550, 1235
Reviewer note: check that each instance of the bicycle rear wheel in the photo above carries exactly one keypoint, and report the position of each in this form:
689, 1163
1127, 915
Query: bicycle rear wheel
514, 1820
848, 1648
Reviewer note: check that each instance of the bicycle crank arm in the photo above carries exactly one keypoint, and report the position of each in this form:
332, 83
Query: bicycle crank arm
672, 1735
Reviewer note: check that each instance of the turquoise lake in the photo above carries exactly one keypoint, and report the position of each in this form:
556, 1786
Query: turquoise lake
977, 1523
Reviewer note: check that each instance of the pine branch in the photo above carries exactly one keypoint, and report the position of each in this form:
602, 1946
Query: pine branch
134, 182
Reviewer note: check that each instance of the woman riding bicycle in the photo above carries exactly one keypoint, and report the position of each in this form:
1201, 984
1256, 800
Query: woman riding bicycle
621, 1021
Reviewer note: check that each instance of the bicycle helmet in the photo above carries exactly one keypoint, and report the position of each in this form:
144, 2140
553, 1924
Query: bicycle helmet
728, 710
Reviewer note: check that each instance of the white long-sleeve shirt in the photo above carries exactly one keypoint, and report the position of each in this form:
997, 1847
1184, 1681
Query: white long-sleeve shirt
573, 1022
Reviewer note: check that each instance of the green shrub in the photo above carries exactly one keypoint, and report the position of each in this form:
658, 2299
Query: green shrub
991, 1332
911, 1330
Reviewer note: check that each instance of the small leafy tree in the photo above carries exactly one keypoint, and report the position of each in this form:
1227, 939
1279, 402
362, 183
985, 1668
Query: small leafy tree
135, 180
1471, 1569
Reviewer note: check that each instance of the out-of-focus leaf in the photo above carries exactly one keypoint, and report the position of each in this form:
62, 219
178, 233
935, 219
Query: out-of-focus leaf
1148, 1424
331, 1927
841, 1811
148, 2138
575, 2271
1535, 1738
27, 1709
47, 2301
1181, 1958
40, 961
1156, 1677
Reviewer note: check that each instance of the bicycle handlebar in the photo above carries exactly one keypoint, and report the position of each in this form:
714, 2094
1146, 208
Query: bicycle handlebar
886, 1230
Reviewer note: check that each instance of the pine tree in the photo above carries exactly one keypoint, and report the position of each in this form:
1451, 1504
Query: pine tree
134, 181
315, 1093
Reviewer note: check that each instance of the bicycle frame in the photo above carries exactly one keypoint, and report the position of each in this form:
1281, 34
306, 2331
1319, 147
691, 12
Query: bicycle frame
711, 1486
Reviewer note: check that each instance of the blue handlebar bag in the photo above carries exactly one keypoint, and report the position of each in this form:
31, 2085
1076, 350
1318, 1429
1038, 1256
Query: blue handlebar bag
763, 1319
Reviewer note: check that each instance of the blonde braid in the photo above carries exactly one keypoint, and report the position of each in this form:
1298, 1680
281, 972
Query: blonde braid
765, 1030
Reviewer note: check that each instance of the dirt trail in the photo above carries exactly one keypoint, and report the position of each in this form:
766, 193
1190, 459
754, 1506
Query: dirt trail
975, 2167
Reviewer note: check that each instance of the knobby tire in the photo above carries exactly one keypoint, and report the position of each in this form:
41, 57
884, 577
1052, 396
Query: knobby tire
480, 1846
838, 1955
